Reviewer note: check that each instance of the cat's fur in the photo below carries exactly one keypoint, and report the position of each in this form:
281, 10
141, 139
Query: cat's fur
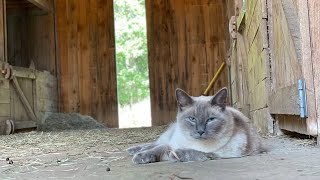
205, 129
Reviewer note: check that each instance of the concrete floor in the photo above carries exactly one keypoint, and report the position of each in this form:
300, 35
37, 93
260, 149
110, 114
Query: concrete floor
288, 159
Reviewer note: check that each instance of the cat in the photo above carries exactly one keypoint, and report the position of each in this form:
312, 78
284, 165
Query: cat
206, 129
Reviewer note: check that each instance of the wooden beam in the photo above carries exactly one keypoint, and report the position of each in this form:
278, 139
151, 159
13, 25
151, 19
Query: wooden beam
24, 124
285, 101
314, 17
45, 5
307, 71
23, 72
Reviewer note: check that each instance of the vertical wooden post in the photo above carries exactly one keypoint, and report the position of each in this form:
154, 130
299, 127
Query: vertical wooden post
314, 18
2, 30
306, 56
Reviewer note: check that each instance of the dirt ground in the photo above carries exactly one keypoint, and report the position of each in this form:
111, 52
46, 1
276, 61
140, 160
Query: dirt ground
100, 154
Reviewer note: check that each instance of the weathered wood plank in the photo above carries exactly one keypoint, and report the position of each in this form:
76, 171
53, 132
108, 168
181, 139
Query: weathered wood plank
291, 16
5, 109
242, 64
23, 72
314, 17
24, 99
31, 38
4, 84
87, 56
4, 96
24, 124
62, 57
293, 124
84, 56
73, 55
41, 42
307, 69
2, 30
286, 64
17, 40
5, 24
285, 101
256, 21
107, 110
263, 120
186, 46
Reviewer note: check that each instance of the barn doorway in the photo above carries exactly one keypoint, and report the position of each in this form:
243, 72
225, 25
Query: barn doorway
132, 64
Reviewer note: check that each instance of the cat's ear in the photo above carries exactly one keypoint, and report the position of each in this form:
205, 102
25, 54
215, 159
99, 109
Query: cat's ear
183, 99
220, 98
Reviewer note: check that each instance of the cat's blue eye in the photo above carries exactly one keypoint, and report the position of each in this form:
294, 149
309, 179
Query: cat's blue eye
211, 119
191, 119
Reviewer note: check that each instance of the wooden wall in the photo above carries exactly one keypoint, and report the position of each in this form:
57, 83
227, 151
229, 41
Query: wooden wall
86, 44
273, 51
314, 18
291, 61
31, 37
187, 42
250, 65
2, 31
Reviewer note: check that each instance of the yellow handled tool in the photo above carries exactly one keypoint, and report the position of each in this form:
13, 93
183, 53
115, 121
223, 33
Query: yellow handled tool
214, 79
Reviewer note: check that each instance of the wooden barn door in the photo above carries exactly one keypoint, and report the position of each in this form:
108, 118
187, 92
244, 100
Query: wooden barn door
186, 45
86, 53
290, 62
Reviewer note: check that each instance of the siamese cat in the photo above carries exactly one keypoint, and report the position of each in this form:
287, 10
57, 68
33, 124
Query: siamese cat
205, 129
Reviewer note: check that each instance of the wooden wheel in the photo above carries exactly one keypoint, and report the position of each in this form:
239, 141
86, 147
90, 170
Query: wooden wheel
12, 126
8, 127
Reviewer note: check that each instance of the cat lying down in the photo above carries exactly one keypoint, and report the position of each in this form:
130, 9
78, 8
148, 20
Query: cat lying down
205, 129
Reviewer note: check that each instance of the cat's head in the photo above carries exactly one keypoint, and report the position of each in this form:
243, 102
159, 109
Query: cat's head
203, 117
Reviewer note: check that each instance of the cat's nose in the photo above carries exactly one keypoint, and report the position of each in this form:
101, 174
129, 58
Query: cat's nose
200, 132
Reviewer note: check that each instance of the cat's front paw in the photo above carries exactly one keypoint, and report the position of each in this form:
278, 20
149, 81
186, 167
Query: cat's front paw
212, 156
133, 150
184, 155
144, 158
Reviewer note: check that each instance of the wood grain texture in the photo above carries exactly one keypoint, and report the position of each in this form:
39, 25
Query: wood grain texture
19, 98
291, 60
307, 68
288, 105
314, 17
27, 104
286, 64
86, 44
2, 31
293, 123
24, 124
187, 43
31, 37
5, 110
252, 74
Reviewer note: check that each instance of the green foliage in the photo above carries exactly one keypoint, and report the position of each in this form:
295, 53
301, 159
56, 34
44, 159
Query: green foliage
131, 47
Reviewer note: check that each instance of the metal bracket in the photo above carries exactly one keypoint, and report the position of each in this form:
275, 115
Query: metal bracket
302, 98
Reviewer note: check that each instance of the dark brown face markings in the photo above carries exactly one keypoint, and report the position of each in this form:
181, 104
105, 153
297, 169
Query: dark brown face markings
202, 128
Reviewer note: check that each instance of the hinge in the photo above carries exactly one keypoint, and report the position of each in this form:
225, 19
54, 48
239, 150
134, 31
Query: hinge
302, 98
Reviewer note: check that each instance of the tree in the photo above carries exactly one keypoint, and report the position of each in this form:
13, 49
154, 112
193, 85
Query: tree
131, 51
